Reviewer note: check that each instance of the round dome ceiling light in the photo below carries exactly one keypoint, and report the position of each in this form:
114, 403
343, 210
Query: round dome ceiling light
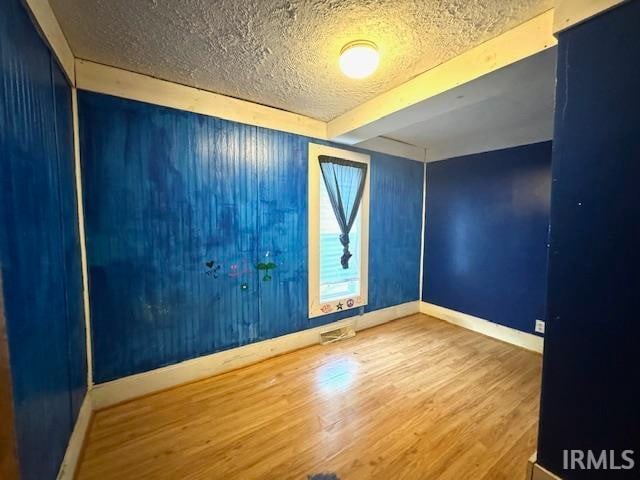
359, 59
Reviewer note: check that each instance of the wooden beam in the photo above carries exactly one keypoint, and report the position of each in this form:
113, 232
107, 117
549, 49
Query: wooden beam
122, 83
525, 40
569, 13
50, 29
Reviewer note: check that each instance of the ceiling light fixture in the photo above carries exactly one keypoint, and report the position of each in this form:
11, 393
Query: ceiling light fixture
359, 59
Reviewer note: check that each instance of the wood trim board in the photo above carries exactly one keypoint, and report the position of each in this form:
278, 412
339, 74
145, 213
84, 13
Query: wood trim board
524, 340
99, 78
123, 389
568, 13
52, 33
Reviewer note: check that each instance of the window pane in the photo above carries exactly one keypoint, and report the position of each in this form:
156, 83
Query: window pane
335, 281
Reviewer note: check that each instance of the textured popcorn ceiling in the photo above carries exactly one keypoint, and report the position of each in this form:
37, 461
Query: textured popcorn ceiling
283, 53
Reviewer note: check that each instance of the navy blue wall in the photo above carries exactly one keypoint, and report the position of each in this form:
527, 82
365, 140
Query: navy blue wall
167, 191
486, 228
590, 393
39, 256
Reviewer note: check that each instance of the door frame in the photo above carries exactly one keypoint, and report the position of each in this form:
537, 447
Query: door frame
8, 450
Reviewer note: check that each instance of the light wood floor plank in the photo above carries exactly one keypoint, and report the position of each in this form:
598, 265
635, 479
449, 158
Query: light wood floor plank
416, 398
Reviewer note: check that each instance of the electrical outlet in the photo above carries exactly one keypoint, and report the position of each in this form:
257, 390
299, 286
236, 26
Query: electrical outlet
540, 326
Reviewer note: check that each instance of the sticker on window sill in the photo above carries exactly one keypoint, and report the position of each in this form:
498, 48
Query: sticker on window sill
340, 306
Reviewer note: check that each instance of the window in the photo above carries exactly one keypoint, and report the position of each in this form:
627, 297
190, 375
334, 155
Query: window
332, 287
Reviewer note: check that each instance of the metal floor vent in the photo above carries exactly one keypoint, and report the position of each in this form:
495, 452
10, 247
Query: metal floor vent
338, 334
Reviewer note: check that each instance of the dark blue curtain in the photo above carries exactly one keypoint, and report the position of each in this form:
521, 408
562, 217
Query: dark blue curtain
344, 180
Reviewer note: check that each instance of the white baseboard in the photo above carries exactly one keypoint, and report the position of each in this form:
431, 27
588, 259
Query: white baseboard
536, 472
530, 463
541, 473
110, 393
126, 388
76, 442
485, 327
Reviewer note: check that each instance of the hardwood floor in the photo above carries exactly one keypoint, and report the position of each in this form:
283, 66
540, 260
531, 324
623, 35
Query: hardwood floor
416, 398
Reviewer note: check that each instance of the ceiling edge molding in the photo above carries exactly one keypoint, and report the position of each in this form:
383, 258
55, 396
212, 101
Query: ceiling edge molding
438, 155
394, 147
569, 13
98, 78
354, 127
135, 86
47, 23
528, 38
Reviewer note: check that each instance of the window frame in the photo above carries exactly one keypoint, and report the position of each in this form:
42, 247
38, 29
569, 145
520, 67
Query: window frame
316, 308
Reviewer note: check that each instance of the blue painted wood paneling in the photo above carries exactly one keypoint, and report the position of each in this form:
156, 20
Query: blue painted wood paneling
486, 232
590, 392
39, 260
282, 230
394, 231
70, 238
167, 191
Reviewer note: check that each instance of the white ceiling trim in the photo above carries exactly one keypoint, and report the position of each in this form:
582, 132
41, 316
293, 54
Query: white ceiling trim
50, 28
572, 12
394, 147
122, 83
281, 53
365, 125
517, 137
135, 86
